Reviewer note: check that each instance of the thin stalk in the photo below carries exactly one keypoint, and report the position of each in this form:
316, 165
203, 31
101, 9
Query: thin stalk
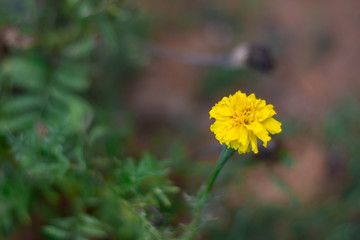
202, 196
225, 155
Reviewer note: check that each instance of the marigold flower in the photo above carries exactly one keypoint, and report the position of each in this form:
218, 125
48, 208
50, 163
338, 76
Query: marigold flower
240, 120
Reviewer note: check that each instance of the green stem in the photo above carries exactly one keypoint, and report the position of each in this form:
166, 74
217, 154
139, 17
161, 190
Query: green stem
202, 197
225, 155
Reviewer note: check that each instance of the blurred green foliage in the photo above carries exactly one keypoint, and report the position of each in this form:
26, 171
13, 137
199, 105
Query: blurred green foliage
60, 171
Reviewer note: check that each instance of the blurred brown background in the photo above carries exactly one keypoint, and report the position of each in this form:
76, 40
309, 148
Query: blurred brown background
315, 44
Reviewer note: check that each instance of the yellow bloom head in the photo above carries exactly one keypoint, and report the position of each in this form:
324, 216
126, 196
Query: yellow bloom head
240, 120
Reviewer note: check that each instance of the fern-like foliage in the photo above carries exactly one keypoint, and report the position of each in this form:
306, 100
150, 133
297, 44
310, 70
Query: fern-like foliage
51, 177
33, 92
123, 204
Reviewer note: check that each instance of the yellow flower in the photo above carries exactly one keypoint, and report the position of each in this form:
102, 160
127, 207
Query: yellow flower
240, 120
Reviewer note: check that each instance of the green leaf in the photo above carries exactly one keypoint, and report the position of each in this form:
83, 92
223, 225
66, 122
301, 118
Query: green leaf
109, 34
90, 220
55, 111
61, 95
26, 72
73, 76
96, 133
21, 103
80, 48
80, 114
55, 232
162, 197
92, 231
76, 112
19, 122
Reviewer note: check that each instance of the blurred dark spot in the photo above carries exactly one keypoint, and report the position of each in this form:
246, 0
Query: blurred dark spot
156, 217
323, 43
336, 162
260, 58
3, 50
17, 91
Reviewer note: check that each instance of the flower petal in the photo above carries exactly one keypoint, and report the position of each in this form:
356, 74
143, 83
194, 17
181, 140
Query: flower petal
243, 136
265, 112
259, 131
272, 125
253, 140
244, 148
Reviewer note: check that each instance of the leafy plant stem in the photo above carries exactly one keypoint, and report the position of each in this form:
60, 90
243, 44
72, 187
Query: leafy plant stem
202, 196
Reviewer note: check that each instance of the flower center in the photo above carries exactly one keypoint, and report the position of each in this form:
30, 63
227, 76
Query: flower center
244, 115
